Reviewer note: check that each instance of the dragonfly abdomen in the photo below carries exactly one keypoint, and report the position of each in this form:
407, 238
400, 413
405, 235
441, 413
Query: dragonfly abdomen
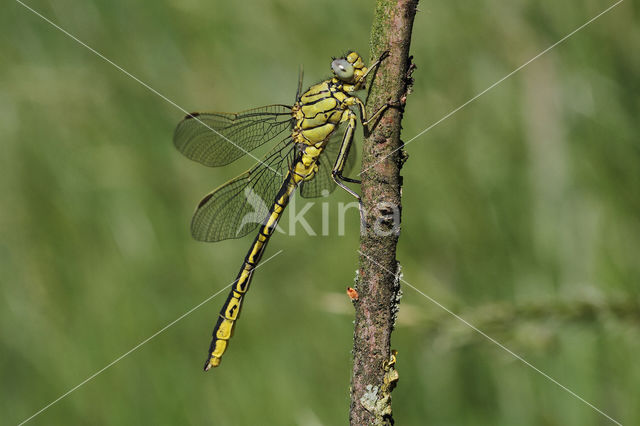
230, 311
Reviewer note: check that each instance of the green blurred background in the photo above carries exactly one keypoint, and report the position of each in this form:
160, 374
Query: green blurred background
521, 213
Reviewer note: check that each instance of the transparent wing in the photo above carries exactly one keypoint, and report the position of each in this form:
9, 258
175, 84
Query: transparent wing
216, 138
240, 205
322, 184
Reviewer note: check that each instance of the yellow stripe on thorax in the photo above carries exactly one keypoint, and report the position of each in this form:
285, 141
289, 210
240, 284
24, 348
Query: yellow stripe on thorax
317, 114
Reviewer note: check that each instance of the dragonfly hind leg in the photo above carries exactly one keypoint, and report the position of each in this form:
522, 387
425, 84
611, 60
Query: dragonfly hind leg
347, 139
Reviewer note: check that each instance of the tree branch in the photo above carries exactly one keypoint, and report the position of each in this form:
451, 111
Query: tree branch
374, 374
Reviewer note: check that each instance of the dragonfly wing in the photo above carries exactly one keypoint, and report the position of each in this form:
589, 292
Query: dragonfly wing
216, 138
322, 184
240, 205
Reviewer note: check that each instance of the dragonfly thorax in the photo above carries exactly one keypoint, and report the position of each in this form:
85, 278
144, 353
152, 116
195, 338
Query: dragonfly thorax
317, 113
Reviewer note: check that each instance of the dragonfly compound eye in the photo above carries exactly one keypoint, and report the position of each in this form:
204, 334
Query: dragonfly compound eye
342, 69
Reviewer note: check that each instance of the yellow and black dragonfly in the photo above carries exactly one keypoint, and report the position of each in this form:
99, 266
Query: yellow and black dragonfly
309, 153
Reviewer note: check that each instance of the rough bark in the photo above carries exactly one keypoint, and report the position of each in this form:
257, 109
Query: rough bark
374, 374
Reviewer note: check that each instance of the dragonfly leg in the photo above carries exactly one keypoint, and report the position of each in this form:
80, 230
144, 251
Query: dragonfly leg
338, 167
374, 65
363, 113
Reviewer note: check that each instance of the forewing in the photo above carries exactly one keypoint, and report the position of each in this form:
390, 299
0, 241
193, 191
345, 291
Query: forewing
240, 205
215, 139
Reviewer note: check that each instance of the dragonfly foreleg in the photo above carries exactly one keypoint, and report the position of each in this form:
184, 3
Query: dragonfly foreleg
375, 65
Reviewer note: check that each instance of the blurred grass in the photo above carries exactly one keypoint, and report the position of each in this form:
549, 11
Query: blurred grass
530, 194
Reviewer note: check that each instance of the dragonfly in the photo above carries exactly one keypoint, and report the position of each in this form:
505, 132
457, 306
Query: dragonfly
310, 152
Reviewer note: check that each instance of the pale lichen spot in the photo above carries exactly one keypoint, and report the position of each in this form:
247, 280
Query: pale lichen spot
370, 397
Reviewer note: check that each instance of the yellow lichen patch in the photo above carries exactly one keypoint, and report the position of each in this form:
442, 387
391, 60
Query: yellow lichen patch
391, 375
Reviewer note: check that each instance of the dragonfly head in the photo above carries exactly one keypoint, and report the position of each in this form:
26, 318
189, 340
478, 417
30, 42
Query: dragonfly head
350, 69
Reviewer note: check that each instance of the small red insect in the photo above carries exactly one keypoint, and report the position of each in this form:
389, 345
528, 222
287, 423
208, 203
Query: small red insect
352, 293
